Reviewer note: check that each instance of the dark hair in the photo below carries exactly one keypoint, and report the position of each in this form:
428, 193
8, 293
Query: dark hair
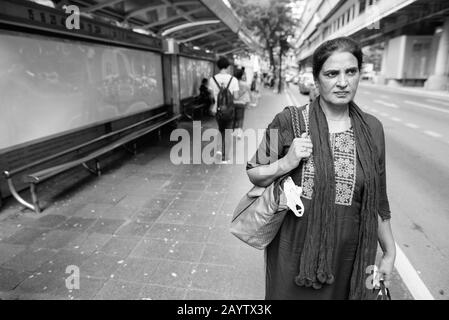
204, 81
223, 63
326, 49
238, 73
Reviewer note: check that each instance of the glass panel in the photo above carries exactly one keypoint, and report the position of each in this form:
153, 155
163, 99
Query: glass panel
48, 86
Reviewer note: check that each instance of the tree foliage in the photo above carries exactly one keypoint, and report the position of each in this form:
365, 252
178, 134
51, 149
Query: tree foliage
272, 22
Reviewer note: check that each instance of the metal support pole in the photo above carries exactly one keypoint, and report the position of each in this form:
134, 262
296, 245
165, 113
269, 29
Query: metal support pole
33, 188
90, 169
98, 168
16, 195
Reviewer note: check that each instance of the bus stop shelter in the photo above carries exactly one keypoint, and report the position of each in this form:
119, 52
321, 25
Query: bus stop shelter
206, 24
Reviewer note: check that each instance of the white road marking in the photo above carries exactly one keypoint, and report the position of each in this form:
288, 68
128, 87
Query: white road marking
387, 104
412, 125
384, 96
410, 277
433, 134
384, 114
425, 106
374, 110
396, 119
444, 103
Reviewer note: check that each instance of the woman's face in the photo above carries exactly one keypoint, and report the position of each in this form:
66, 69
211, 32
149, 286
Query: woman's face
339, 78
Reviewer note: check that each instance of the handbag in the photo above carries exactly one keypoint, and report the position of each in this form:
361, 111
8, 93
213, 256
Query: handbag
258, 216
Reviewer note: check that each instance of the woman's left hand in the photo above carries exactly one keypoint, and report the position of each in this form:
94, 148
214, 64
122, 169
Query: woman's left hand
386, 269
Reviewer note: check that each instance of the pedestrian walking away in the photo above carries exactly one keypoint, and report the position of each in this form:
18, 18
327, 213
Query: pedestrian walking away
225, 88
254, 94
340, 164
241, 103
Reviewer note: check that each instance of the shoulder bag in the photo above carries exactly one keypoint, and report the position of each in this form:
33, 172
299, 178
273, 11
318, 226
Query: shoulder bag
258, 216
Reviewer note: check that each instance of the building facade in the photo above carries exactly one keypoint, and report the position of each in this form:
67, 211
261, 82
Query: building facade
413, 36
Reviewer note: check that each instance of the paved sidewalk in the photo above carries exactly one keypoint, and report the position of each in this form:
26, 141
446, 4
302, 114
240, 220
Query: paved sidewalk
146, 229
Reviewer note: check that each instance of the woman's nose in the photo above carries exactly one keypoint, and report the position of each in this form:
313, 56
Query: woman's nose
342, 81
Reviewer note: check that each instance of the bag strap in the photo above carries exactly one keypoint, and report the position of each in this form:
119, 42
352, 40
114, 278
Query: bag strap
385, 291
298, 126
218, 86
227, 87
229, 83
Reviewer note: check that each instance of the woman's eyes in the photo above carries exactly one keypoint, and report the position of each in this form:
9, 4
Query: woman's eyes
333, 74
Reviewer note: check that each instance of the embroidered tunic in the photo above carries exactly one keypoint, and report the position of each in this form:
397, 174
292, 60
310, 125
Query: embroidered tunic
282, 256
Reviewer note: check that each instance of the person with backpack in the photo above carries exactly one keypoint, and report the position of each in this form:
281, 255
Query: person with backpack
225, 89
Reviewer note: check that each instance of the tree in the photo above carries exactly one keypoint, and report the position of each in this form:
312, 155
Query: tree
373, 54
272, 23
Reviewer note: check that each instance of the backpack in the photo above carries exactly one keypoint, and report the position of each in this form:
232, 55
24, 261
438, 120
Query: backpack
225, 101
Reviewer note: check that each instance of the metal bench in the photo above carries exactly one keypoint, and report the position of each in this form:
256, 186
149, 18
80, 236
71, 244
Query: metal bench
191, 106
39, 176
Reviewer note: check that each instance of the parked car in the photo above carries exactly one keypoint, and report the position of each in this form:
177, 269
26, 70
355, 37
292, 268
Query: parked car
368, 71
368, 75
306, 82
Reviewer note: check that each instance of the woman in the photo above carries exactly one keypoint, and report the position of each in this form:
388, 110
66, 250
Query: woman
341, 167
241, 103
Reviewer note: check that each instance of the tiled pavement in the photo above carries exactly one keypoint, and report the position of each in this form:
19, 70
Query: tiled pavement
146, 229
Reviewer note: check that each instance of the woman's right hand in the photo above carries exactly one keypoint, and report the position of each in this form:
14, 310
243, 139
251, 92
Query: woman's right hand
301, 148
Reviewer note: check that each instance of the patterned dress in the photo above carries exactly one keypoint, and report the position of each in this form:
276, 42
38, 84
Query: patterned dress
282, 256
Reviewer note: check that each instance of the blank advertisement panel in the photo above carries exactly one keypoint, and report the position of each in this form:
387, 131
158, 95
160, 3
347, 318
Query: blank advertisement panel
49, 86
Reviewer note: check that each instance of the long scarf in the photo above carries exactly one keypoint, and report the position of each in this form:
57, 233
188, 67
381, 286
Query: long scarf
316, 261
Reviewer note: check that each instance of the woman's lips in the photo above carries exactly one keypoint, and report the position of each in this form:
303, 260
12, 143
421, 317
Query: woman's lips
341, 93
